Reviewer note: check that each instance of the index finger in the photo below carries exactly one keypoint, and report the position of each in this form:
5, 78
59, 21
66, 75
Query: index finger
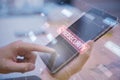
32, 47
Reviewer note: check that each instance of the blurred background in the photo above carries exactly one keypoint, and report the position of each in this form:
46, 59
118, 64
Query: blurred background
38, 21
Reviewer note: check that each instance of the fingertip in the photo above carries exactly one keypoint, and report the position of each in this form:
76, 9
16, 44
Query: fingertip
90, 43
47, 49
51, 50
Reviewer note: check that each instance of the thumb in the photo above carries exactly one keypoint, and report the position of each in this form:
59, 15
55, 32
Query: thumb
20, 67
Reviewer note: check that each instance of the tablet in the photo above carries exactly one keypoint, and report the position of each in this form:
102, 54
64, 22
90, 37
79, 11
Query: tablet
91, 26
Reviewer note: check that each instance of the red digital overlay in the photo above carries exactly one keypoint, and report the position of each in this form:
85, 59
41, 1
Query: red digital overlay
72, 39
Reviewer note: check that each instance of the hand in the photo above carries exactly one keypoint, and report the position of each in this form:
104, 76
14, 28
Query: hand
8, 56
72, 68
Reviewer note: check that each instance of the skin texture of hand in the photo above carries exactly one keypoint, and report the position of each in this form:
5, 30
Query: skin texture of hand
8, 56
73, 67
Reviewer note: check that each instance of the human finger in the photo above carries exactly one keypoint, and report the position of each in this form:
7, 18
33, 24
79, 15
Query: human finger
19, 67
31, 47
